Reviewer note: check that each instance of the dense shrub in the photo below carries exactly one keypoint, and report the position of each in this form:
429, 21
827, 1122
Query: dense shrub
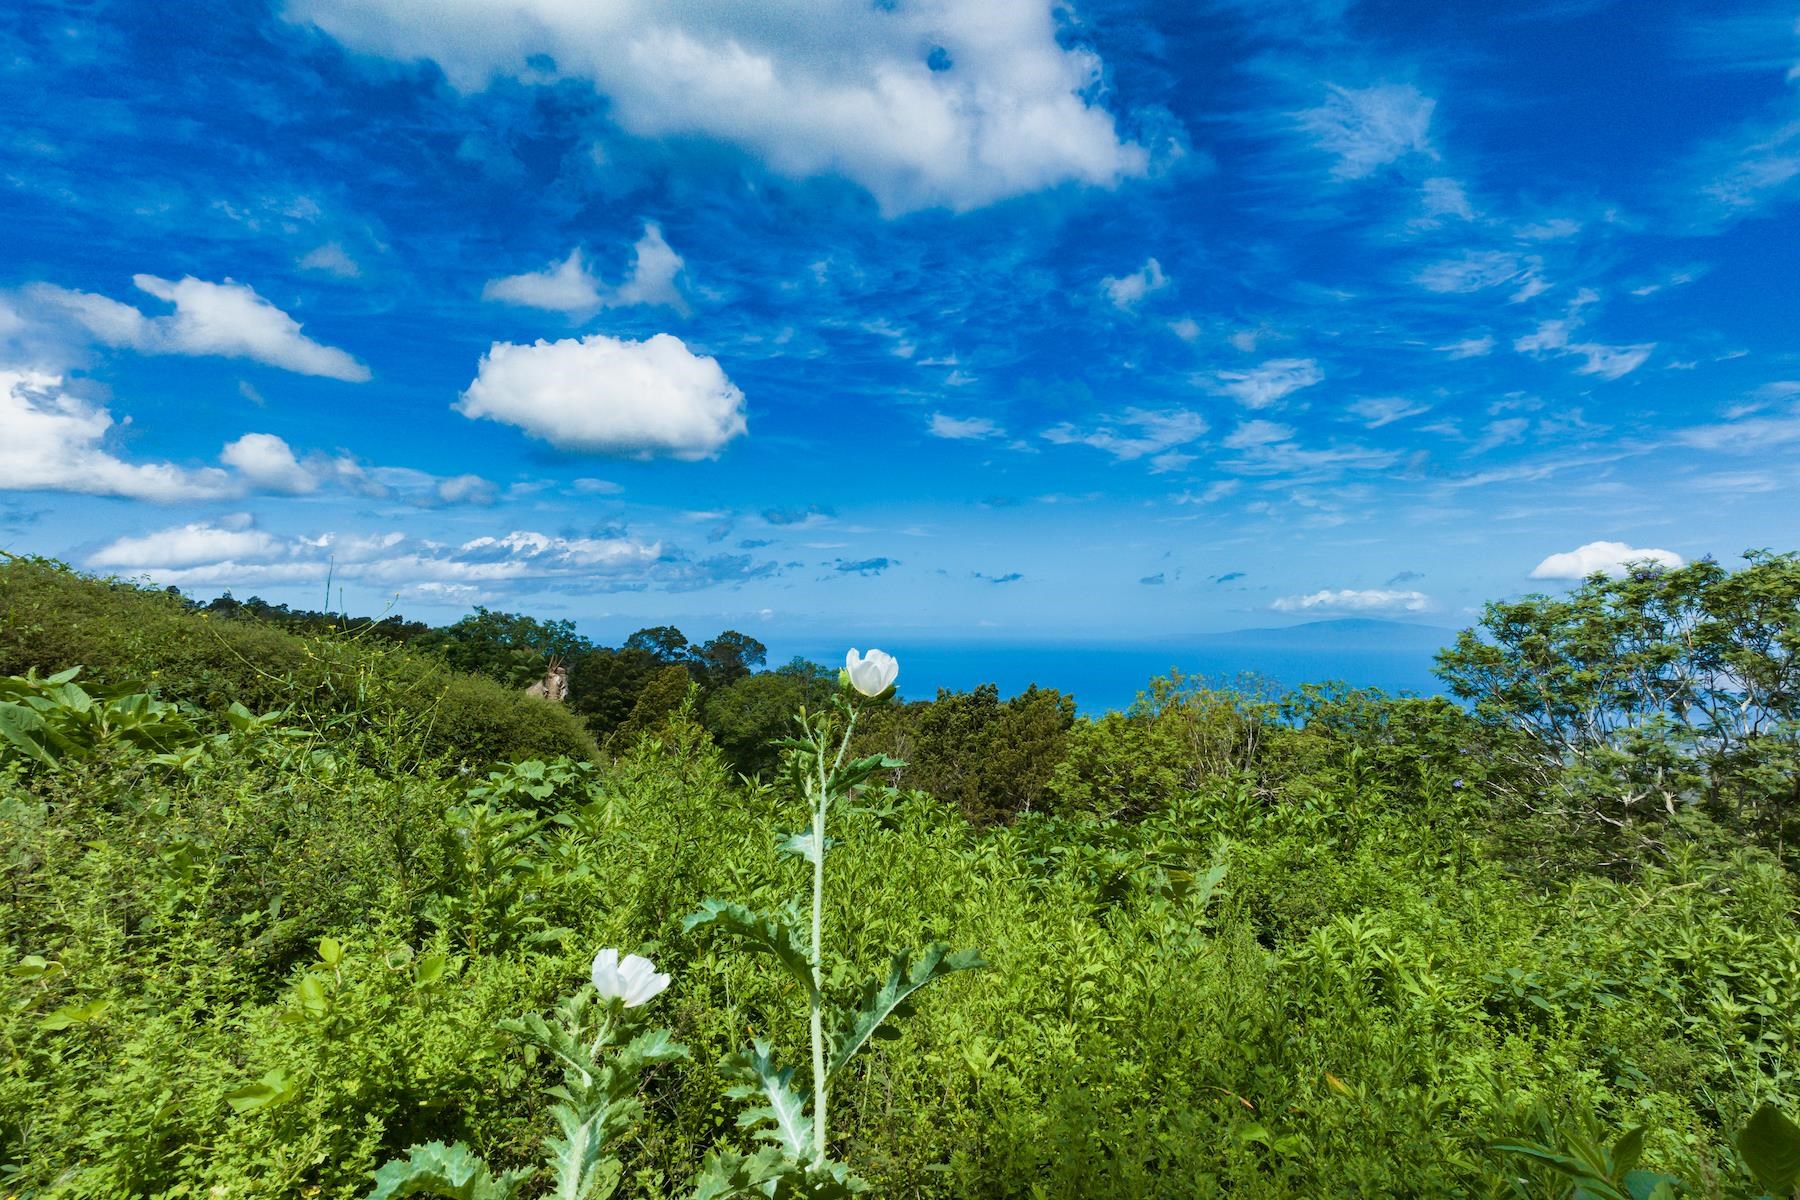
52, 618
1308, 964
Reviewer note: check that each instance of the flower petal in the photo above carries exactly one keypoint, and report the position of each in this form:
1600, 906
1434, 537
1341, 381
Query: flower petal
607, 979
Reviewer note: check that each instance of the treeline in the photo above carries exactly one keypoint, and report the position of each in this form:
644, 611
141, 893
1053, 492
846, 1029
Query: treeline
1591, 717
992, 758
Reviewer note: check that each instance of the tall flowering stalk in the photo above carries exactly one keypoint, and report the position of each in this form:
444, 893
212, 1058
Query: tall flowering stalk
797, 1161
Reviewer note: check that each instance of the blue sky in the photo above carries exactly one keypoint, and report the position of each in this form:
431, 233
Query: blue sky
924, 321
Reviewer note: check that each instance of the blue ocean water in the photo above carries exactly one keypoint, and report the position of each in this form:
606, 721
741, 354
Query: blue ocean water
1388, 655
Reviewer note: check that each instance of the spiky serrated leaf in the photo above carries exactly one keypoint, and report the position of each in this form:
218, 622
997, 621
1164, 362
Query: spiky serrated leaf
765, 933
829, 1180
651, 1046
434, 1169
802, 844
579, 1161
726, 1173
552, 1038
856, 771
883, 999
761, 1078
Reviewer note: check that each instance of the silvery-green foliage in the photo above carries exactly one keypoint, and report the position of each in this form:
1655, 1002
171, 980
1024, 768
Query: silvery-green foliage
435, 1169
885, 999
771, 935
798, 1162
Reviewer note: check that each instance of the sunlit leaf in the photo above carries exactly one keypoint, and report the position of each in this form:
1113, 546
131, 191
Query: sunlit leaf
883, 999
1770, 1144
765, 933
272, 1089
781, 1108
454, 1172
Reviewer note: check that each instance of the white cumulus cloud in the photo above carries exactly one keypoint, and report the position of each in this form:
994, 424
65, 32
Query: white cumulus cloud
566, 286
267, 462
53, 441
1606, 558
610, 396
226, 319
187, 546
569, 286
1352, 600
925, 104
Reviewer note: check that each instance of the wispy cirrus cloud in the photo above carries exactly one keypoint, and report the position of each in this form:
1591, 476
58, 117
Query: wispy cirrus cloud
1367, 128
1265, 384
942, 425
1127, 291
1355, 600
1135, 433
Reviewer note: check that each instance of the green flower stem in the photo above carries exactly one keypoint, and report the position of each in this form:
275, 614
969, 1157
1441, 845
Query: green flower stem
818, 935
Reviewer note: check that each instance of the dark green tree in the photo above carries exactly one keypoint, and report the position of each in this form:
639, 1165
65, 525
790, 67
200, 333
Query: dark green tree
747, 716
724, 660
667, 643
508, 647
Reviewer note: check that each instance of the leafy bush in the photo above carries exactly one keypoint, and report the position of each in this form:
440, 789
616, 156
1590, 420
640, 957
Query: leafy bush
116, 632
1309, 964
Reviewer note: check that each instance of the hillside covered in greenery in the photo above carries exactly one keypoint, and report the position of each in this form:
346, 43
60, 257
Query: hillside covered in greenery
288, 898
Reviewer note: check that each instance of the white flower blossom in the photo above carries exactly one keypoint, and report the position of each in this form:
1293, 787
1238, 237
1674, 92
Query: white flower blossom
873, 673
634, 981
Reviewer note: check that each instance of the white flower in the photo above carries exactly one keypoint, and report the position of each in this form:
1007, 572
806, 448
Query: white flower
634, 981
872, 673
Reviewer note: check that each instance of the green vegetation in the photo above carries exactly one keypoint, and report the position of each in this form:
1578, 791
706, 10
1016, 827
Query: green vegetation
1328, 943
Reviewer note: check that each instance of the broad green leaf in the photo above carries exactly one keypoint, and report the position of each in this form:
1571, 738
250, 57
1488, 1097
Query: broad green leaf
23, 729
74, 1014
273, 1088
1770, 1144
782, 1108
435, 1169
892, 997
1651, 1185
429, 969
765, 933
35, 966
1627, 1150
331, 951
